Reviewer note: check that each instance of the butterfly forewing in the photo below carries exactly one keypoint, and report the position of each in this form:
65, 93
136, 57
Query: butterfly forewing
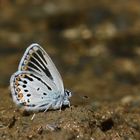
36, 60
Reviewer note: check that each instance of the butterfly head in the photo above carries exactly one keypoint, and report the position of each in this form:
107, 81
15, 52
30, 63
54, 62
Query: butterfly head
67, 93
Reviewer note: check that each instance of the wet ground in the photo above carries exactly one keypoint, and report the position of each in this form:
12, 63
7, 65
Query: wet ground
96, 48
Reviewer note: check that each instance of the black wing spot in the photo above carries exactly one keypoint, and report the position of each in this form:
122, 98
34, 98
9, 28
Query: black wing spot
28, 95
44, 93
28, 101
38, 89
33, 64
25, 82
40, 53
26, 90
42, 63
24, 86
35, 55
36, 62
28, 77
41, 97
49, 87
48, 73
36, 77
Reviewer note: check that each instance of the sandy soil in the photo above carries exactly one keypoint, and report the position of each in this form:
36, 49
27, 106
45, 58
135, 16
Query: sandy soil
96, 47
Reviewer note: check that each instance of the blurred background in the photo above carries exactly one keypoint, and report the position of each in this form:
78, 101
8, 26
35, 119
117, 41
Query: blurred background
94, 44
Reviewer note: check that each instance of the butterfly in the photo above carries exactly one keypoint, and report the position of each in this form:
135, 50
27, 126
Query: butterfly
37, 84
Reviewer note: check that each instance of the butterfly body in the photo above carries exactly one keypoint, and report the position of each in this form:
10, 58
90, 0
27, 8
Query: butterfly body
37, 85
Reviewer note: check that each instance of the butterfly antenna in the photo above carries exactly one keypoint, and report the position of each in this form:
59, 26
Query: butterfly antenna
84, 99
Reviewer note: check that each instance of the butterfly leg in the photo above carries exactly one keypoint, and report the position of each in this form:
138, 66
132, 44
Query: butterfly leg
69, 104
60, 106
48, 106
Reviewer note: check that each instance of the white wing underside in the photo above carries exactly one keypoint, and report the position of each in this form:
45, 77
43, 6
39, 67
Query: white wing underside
37, 83
33, 49
34, 91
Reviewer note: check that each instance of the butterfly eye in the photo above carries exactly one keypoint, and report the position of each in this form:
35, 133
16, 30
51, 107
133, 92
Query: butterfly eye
68, 93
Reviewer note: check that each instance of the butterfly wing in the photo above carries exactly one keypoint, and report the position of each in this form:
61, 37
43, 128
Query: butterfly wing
31, 91
36, 60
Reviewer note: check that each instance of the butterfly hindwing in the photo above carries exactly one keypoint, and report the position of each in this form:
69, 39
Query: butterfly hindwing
30, 90
36, 60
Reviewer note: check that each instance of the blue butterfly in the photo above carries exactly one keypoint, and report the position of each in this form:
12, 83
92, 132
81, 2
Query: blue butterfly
37, 85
